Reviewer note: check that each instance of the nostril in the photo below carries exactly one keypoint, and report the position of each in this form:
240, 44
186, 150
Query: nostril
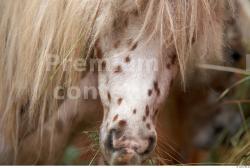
135, 148
113, 134
109, 140
151, 145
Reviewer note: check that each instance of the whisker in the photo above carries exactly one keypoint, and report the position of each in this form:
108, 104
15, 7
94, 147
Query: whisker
94, 157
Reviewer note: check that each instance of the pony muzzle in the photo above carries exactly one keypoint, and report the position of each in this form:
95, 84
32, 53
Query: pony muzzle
122, 150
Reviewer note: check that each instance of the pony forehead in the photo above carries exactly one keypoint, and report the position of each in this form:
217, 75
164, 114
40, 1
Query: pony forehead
178, 23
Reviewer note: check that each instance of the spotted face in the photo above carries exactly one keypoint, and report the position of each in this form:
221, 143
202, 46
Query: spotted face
133, 81
134, 78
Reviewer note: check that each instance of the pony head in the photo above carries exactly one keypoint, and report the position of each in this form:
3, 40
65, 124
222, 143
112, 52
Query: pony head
132, 85
139, 58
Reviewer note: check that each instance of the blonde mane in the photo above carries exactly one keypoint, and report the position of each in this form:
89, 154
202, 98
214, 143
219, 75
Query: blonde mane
32, 31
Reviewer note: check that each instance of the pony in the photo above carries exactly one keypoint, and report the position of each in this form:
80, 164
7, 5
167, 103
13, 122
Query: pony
51, 47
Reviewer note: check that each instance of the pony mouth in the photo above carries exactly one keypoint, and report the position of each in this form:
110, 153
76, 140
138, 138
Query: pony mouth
118, 155
125, 157
122, 154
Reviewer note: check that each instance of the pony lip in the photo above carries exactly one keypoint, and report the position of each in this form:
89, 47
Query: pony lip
125, 157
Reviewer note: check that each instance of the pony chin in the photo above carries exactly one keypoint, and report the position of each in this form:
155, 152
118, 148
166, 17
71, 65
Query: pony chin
125, 158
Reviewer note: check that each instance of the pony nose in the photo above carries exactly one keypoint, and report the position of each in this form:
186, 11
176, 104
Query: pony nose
117, 141
151, 145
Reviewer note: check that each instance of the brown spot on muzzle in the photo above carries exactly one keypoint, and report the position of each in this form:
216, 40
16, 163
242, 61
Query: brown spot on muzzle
150, 92
109, 97
118, 69
119, 101
122, 123
127, 59
115, 118
156, 88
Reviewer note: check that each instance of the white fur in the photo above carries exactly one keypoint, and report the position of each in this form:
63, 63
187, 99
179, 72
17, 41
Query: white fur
132, 85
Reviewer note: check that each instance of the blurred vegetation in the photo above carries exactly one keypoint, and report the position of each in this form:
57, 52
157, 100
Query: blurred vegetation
237, 148
73, 153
